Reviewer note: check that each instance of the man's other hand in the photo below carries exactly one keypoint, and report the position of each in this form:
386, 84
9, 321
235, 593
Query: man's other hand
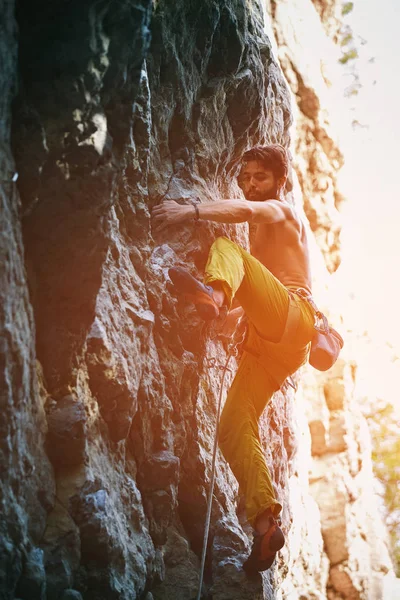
170, 213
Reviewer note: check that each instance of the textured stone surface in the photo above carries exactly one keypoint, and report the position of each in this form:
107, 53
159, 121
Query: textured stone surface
66, 434
119, 106
26, 482
80, 69
343, 487
71, 595
99, 136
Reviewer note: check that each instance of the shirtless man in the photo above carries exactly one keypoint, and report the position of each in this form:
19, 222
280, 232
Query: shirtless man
280, 322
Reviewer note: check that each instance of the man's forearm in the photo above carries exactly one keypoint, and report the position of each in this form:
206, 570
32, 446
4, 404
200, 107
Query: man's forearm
240, 211
170, 213
227, 211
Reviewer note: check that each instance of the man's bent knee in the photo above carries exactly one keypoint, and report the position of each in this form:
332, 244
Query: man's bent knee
223, 242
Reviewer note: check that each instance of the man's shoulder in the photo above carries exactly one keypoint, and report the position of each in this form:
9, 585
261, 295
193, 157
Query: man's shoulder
288, 210
292, 221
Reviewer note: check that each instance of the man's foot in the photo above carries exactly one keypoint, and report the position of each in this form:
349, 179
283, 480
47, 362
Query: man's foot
264, 549
201, 295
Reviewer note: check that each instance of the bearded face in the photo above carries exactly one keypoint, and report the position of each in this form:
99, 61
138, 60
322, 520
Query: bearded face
258, 182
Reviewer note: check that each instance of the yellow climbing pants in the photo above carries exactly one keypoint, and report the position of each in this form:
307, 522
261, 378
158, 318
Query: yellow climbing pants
264, 366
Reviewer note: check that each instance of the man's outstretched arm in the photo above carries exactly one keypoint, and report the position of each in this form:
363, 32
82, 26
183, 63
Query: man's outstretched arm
226, 211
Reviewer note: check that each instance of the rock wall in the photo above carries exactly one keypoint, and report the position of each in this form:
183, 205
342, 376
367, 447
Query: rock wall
109, 393
26, 485
342, 483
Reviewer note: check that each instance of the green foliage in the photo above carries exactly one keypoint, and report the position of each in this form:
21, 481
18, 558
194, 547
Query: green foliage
346, 39
353, 89
353, 92
385, 456
349, 55
347, 8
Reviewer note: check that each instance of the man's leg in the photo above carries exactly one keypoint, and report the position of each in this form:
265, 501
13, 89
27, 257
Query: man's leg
239, 438
232, 271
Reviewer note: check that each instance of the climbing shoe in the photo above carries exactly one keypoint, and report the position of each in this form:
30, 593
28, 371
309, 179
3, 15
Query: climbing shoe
194, 291
264, 549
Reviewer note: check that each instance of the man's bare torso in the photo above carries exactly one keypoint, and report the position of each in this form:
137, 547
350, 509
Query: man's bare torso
282, 248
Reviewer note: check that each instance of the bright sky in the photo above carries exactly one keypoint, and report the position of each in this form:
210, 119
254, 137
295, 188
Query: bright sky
370, 271
371, 233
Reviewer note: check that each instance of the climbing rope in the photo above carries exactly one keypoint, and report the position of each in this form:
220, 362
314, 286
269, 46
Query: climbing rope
232, 351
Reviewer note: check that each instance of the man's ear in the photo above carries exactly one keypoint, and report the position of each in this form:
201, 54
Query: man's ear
280, 184
238, 180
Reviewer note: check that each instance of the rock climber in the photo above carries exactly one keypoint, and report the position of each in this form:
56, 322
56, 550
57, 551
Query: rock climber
263, 284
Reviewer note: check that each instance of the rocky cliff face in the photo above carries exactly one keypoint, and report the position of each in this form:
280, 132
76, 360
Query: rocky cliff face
108, 390
27, 485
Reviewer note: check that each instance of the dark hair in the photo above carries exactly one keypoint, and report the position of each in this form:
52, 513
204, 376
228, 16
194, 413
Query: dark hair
273, 156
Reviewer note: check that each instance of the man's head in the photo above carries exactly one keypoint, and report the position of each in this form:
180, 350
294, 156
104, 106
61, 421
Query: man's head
264, 172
